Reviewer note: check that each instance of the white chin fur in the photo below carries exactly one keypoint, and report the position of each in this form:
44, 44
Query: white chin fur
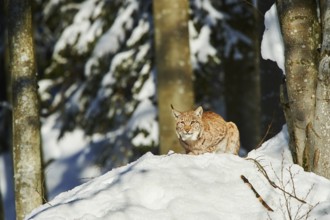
189, 137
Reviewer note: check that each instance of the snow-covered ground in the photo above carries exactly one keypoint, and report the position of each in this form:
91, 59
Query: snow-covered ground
209, 186
176, 186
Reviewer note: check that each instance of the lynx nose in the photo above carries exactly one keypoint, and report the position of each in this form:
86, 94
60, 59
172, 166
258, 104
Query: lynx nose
186, 129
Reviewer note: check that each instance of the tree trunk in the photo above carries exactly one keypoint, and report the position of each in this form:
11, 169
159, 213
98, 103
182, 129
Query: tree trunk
2, 214
242, 80
174, 71
26, 124
300, 31
320, 149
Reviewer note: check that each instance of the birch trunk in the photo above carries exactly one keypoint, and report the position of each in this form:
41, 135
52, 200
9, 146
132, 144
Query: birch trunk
174, 71
26, 124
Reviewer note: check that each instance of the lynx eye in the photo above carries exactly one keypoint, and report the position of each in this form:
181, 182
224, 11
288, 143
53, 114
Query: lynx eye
195, 124
180, 125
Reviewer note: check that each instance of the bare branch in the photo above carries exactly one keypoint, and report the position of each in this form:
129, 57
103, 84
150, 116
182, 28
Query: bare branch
272, 183
287, 196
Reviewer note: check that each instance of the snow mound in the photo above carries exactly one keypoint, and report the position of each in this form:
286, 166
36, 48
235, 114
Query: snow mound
208, 186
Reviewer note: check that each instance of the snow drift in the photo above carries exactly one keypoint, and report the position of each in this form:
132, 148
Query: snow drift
208, 186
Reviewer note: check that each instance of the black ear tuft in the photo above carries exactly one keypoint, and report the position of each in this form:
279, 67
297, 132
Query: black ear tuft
175, 113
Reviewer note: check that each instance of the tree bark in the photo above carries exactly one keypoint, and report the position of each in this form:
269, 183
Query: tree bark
26, 124
300, 31
174, 71
320, 144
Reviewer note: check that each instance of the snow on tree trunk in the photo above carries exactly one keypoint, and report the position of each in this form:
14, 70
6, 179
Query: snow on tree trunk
321, 125
300, 31
174, 71
26, 124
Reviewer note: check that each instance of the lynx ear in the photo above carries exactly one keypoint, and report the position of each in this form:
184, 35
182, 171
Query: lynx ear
175, 113
199, 111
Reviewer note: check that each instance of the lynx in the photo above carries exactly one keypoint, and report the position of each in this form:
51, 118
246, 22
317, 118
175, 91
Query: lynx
206, 132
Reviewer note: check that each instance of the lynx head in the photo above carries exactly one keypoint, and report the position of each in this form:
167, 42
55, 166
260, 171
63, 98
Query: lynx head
189, 125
